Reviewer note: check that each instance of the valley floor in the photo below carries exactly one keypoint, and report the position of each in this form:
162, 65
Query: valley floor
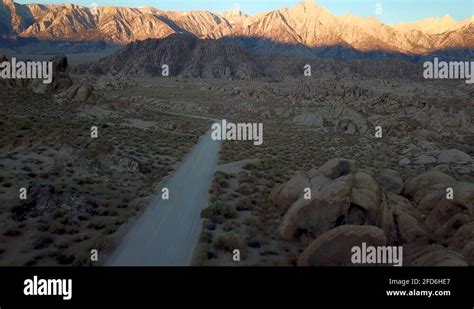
84, 191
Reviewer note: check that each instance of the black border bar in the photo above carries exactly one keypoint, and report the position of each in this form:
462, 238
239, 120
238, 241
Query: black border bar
237, 285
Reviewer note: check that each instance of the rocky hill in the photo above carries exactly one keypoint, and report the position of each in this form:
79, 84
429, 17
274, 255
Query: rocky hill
184, 55
187, 56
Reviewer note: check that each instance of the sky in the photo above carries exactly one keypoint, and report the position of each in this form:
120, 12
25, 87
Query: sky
389, 11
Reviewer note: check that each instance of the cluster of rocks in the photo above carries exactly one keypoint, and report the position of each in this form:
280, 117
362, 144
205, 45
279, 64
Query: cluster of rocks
340, 117
352, 118
62, 84
438, 157
61, 78
45, 200
81, 92
350, 205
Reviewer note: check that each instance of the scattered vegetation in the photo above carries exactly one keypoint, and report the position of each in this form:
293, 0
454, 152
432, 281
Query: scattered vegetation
228, 242
219, 212
77, 184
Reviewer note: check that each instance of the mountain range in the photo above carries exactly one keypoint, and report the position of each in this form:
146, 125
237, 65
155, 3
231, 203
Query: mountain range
307, 24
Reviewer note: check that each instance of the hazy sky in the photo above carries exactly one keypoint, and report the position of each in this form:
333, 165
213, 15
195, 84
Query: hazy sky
393, 11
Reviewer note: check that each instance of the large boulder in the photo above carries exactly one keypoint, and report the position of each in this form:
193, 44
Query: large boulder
84, 92
408, 222
390, 180
426, 180
446, 231
352, 198
333, 248
445, 209
336, 168
463, 242
286, 194
426, 199
453, 156
61, 78
313, 217
330, 202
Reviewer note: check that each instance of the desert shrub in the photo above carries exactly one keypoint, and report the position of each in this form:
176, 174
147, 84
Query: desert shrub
244, 204
222, 179
227, 242
223, 183
219, 212
231, 225
247, 189
250, 166
248, 178
57, 228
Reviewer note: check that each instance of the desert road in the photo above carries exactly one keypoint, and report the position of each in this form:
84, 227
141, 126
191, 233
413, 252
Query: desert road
166, 233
